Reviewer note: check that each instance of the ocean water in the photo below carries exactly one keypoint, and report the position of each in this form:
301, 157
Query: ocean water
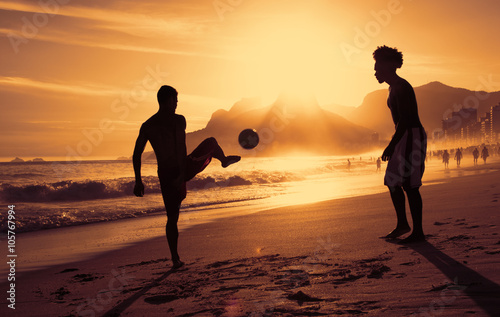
60, 194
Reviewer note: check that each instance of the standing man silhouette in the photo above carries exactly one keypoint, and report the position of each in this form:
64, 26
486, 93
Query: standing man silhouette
166, 131
485, 154
407, 149
458, 156
475, 154
446, 158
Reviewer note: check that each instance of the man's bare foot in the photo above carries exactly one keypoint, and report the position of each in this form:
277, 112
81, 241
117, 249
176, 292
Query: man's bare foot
177, 264
231, 159
413, 238
397, 232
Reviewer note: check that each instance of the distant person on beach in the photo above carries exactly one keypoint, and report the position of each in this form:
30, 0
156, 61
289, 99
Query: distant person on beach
475, 154
407, 149
485, 154
458, 156
379, 164
166, 131
348, 165
446, 158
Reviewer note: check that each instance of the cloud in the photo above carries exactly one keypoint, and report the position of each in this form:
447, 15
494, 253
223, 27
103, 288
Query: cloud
113, 46
163, 31
85, 89
167, 23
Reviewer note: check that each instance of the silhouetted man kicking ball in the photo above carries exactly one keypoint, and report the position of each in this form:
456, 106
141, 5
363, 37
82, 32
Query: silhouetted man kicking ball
407, 149
166, 131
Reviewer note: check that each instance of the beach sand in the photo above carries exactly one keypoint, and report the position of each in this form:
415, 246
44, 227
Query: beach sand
321, 259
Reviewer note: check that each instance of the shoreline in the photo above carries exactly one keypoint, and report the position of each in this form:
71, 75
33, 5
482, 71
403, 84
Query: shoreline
301, 248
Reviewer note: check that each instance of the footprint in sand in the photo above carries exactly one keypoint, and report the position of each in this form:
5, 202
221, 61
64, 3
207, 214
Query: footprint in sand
383, 257
233, 288
218, 264
68, 270
411, 263
160, 299
378, 271
301, 297
495, 198
292, 278
459, 237
476, 248
437, 223
81, 278
472, 227
493, 252
145, 263
60, 293
349, 278
461, 222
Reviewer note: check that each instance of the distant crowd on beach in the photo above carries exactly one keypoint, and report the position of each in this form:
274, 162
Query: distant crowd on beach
474, 153
482, 151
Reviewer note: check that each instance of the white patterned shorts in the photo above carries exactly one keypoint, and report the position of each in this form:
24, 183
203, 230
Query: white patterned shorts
407, 164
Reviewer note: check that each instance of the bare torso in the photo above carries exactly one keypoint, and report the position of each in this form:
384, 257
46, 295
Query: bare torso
167, 136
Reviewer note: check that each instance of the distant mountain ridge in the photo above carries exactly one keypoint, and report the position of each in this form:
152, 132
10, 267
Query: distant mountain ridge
342, 110
293, 124
297, 124
436, 101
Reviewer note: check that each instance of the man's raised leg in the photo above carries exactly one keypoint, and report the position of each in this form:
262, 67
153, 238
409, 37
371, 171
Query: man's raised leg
211, 148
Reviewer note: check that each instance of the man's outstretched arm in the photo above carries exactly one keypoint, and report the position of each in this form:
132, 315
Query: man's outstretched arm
140, 144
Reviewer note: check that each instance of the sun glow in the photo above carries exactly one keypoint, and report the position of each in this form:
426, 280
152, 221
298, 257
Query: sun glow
290, 54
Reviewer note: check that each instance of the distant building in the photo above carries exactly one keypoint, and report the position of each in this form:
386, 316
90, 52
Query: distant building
475, 133
464, 127
460, 126
486, 127
438, 135
495, 123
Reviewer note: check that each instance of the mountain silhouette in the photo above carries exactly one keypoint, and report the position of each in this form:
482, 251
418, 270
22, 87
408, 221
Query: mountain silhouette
296, 124
342, 110
436, 101
293, 124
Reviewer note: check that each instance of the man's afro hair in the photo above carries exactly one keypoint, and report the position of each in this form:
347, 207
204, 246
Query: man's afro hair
388, 54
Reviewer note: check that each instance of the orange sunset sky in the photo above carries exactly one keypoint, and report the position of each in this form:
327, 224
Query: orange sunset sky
89, 70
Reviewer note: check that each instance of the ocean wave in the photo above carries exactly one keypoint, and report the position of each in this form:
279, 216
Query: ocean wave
45, 216
65, 191
45, 219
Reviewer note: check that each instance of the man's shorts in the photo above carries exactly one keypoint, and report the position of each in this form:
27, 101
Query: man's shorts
407, 164
173, 182
195, 165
